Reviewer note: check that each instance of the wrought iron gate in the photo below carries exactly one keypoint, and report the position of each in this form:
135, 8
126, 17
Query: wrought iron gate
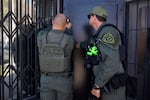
20, 21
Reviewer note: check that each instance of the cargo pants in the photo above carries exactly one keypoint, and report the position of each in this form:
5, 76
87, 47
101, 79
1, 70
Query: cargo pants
55, 87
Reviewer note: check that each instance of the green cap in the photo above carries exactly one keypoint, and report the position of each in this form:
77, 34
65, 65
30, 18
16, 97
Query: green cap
100, 11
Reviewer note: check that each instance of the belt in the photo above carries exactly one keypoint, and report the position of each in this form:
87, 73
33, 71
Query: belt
63, 74
117, 81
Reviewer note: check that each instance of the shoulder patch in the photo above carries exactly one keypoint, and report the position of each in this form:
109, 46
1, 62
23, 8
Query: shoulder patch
108, 38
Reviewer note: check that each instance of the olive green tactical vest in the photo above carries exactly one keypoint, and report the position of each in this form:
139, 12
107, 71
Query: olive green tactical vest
52, 57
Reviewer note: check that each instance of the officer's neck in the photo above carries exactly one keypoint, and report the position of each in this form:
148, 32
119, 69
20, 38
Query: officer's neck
57, 27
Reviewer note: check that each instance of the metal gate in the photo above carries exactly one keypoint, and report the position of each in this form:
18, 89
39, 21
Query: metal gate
138, 31
20, 21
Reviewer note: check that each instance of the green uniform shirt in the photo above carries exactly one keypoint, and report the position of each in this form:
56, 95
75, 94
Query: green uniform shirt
110, 64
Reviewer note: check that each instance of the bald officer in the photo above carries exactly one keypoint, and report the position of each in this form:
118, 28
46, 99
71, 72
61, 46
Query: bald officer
55, 49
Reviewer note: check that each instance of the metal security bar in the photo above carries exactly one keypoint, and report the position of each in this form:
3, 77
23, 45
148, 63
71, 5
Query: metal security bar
20, 21
138, 25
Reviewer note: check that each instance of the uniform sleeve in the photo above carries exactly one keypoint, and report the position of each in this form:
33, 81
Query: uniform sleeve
68, 31
69, 46
39, 42
110, 64
40, 35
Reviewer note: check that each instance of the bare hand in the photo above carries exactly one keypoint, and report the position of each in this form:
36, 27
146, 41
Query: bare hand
96, 92
69, 25
78, 45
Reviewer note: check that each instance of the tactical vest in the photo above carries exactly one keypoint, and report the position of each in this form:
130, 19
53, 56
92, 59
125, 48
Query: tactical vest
52, 57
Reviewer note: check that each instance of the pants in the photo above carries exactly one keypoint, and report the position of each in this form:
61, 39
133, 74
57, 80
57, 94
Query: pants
116, 94
56, 88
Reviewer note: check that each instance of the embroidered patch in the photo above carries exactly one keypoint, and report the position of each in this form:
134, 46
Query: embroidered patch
108, 38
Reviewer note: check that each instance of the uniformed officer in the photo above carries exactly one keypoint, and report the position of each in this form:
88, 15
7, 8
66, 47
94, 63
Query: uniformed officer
107, 42
55, 50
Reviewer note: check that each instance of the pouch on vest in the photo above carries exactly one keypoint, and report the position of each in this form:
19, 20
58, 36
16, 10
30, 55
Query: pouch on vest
52, 57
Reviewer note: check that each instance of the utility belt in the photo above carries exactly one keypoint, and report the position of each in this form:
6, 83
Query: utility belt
62, 74
117, 81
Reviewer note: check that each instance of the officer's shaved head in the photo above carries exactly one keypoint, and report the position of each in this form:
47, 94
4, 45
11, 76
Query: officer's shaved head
60, 19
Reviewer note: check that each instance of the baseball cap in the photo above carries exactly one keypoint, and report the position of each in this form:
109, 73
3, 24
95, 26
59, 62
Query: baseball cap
99, 11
